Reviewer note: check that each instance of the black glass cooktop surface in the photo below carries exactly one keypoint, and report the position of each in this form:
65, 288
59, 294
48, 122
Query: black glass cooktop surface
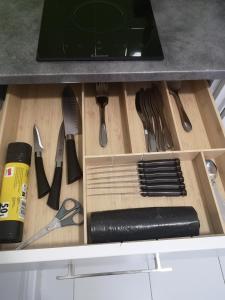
98, 30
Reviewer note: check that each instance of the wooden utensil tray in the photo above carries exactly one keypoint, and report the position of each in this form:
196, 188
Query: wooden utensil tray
41, 105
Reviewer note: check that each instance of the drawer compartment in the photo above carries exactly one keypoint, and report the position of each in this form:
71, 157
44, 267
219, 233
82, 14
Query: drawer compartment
41, 105
110, 195
207, 130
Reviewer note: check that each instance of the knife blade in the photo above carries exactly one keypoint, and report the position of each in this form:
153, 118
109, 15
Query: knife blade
54, 195
43, 187
72, 125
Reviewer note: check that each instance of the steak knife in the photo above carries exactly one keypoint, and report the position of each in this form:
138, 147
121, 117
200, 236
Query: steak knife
72, 125
54, 195
43, 187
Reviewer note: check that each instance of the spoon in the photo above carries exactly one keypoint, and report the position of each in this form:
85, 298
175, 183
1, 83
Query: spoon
212, 171
174, 88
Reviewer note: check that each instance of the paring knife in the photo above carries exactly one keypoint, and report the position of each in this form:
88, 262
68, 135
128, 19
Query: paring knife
43, 187
54, 195
72, 125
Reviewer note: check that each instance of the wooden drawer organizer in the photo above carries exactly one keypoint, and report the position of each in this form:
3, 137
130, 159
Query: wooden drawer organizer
41, 105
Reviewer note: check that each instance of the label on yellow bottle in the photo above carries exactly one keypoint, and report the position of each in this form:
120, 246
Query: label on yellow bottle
14, 192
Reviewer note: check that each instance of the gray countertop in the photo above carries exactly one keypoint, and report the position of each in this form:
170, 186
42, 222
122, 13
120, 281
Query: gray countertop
192, 34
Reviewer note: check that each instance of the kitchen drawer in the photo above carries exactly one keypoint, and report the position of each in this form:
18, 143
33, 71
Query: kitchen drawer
41, 105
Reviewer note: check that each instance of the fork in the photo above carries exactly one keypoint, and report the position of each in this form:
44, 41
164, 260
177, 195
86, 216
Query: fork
102, 101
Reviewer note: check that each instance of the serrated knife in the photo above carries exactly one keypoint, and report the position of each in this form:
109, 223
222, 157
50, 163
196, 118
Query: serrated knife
54, 195
43, 187
72, 125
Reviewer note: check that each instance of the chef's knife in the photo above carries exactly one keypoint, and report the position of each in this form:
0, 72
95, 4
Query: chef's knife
43, 187
54, 195
72, 125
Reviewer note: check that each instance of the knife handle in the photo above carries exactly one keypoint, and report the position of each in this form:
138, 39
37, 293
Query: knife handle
43, 187
164, 193
161, 169
54, 195
162, 187
74, 171
160, 181
147, 176
158, 163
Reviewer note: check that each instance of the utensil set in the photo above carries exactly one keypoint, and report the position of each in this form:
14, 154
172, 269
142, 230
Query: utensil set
149, 178
149, 106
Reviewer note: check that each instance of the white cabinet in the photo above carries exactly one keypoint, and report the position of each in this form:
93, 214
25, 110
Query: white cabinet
35, 285
222, 265
193, 278
127, 286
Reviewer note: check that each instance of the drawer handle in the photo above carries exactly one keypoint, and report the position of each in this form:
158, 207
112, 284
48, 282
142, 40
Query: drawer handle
71, 275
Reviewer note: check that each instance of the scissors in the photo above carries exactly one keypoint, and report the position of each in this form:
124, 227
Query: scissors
70, 207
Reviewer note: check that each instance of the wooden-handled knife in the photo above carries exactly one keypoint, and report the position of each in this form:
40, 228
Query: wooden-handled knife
72, 125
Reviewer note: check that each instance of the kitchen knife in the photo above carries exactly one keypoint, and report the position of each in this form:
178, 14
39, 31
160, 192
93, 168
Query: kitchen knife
54, 195
143, 187
3, 90
158, 163
140, 175
143, 170
72, 125
164, 193
162, 187
148, 170
43, 187
140, 163
154, 181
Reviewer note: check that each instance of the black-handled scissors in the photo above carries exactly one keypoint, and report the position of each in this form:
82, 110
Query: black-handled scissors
64, 217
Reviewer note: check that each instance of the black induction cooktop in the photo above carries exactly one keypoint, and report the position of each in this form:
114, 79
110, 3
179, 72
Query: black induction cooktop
98, 30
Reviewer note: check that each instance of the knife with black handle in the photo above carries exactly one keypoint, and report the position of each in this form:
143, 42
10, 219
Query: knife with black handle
72, 125
146, 176
43, 187
158, 163
149, 170
162, 187
54, 195
164, 193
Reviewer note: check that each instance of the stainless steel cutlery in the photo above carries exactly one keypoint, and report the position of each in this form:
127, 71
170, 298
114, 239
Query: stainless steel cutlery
174, 88
102, 101
149, 106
